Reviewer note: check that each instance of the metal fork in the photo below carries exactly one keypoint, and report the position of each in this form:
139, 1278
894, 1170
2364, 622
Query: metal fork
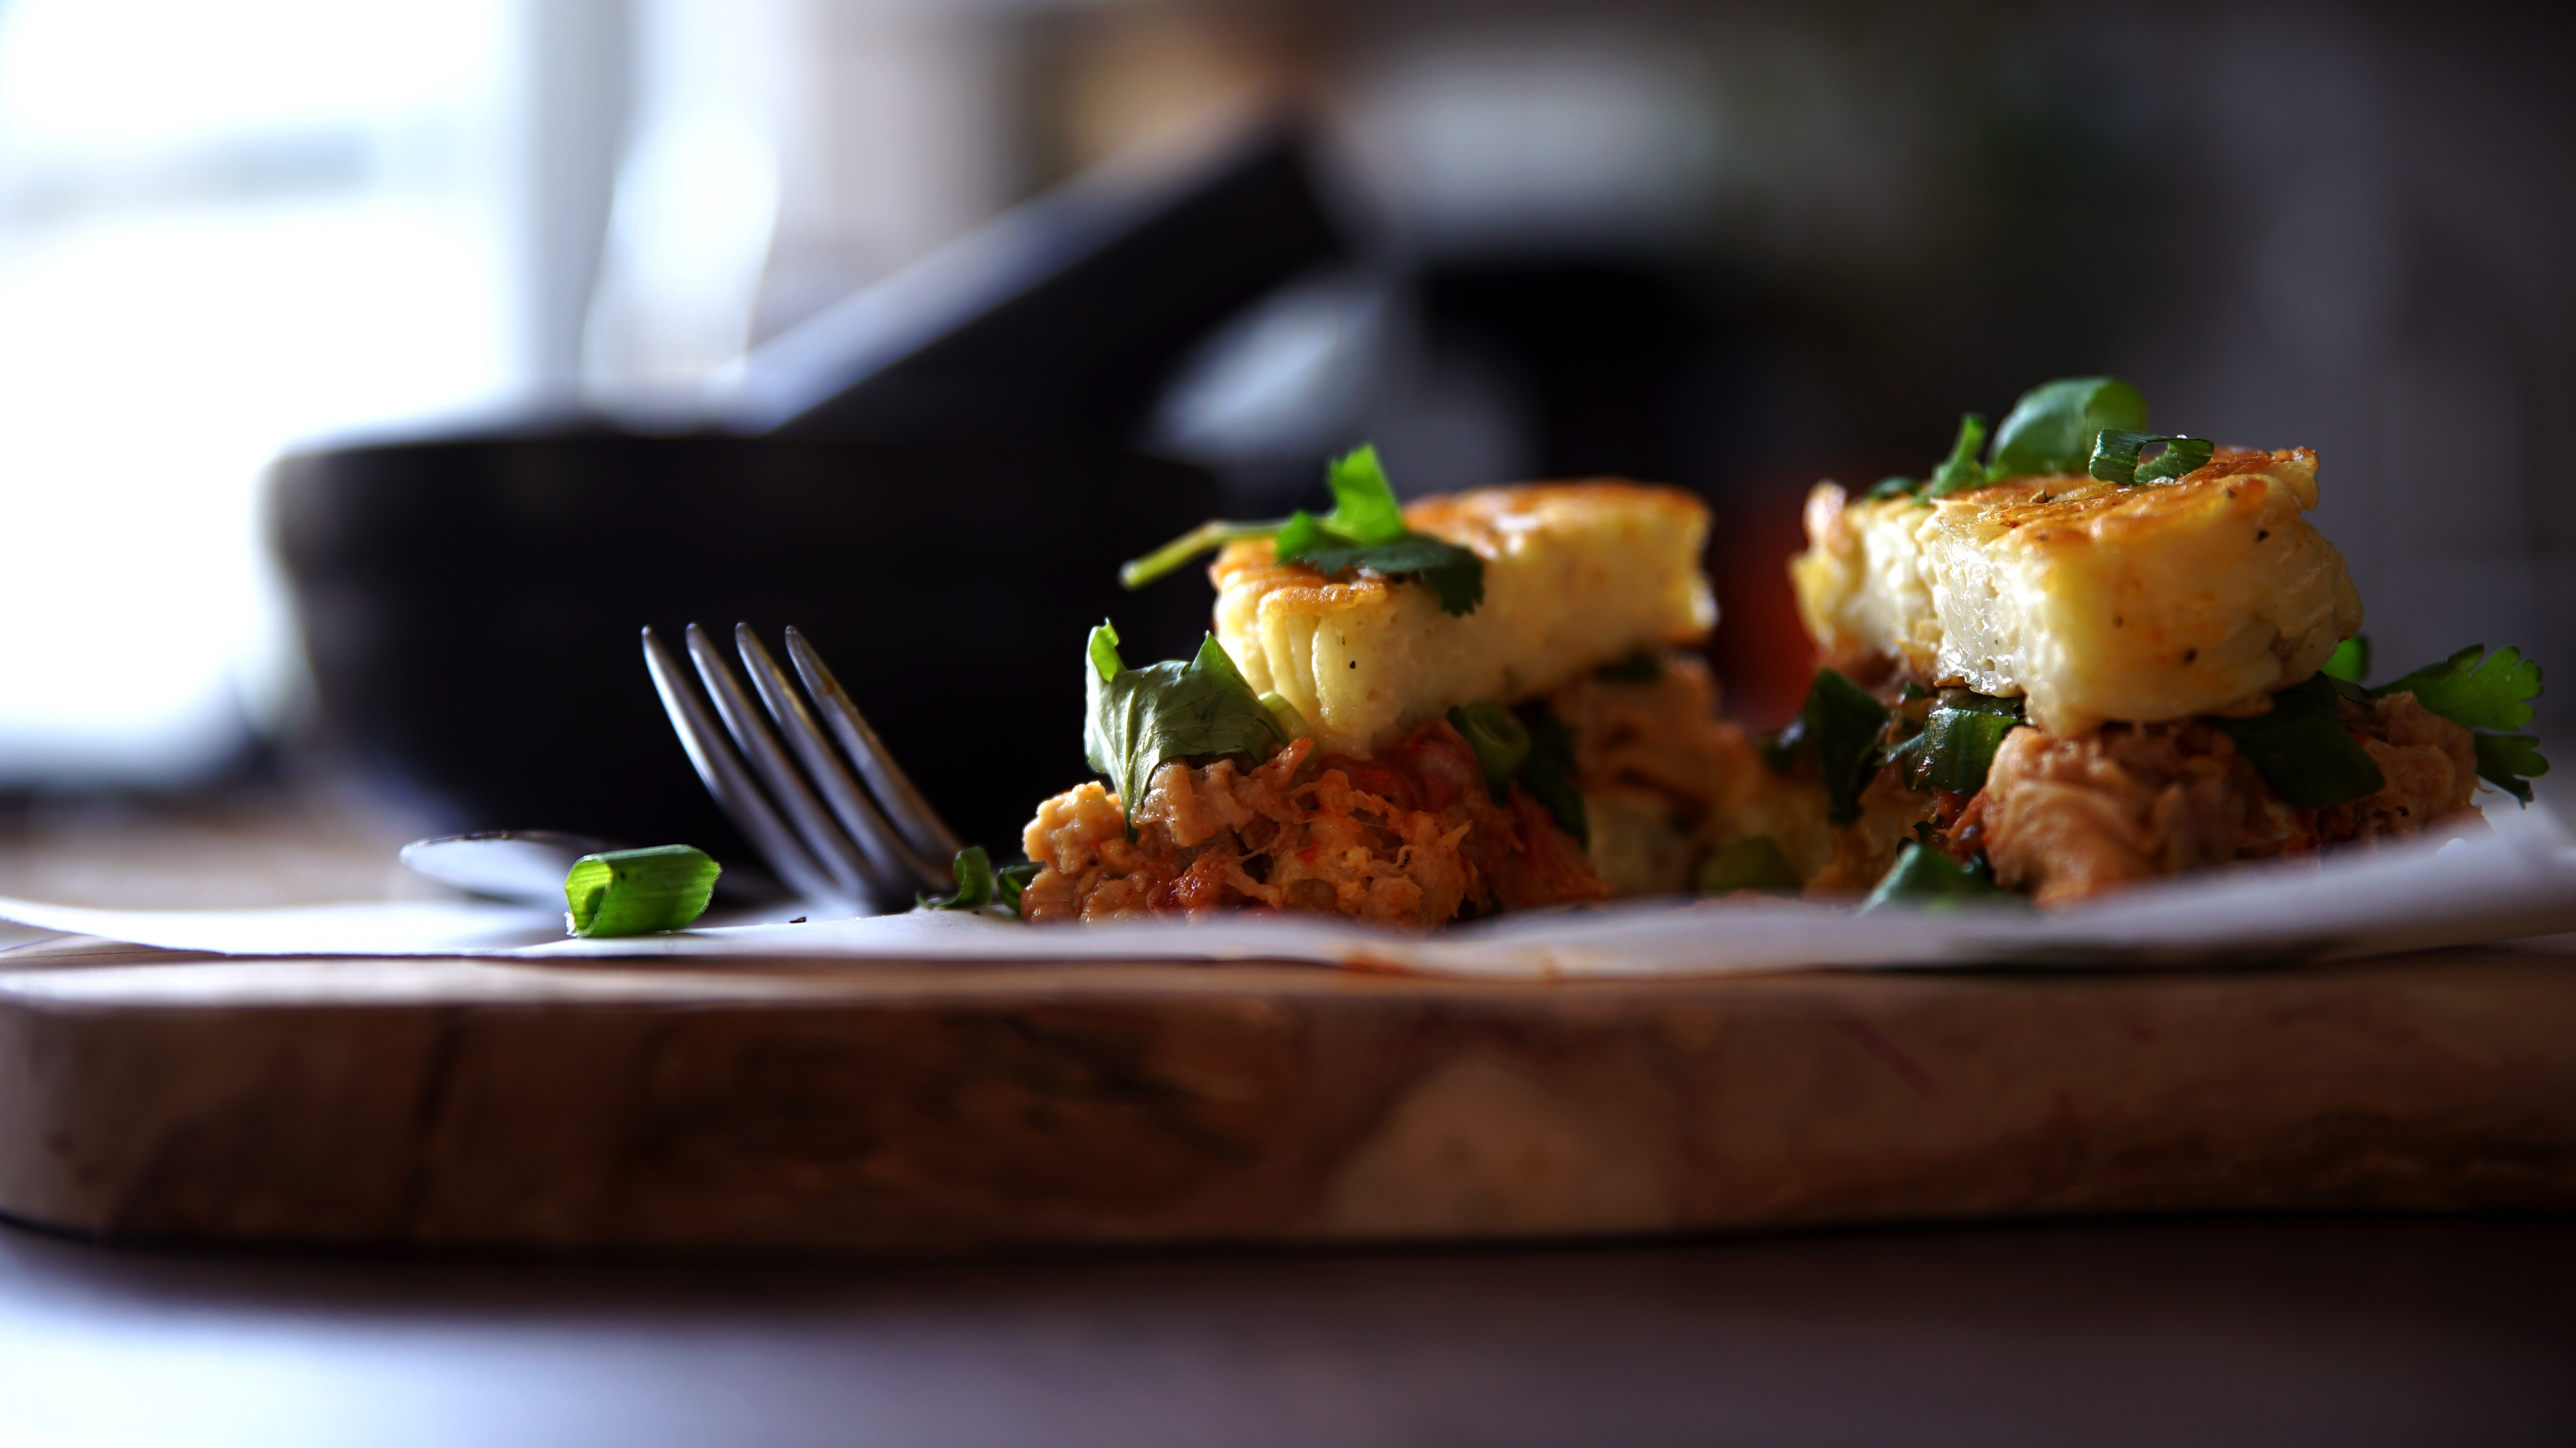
823, 832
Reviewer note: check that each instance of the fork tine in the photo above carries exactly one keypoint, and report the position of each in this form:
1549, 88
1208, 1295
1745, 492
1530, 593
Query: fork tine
824, 838
921, 825
891, 854
721, 769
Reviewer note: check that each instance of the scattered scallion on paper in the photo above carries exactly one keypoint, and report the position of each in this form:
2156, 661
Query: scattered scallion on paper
637, 892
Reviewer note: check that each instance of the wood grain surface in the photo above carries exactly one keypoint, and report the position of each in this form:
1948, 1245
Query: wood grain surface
789, 1106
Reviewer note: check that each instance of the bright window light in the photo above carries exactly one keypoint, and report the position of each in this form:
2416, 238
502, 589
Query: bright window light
222, 228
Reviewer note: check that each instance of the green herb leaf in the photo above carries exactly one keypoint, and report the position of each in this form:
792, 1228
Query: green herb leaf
1365, 509
636, 892
1501, 742
1754, 864
1454, 574
2474, 687
2302, 749
1958, 742
1925, 876
1841, 724
1139, 718
973, 872
2350, 661
1893, 487
2115, 457
1961, 471
2510, 762
1548, 774
1011, 882
2052, 428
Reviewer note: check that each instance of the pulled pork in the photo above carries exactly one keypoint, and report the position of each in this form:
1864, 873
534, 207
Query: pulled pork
2067, 818
1411, 837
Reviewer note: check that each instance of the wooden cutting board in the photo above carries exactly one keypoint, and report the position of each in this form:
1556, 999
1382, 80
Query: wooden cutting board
788, 1106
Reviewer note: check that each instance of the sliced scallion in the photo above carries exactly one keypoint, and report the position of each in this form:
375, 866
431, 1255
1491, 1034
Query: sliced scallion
636, 892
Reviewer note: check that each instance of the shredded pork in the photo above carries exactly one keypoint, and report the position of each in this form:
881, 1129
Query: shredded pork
1409, 837
2067, 818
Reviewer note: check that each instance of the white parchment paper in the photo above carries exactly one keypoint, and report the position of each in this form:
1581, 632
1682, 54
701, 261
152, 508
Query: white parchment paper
2518, 880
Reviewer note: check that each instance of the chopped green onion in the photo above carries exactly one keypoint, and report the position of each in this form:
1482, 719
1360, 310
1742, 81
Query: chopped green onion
973, 872
1840, 723
1011, 882
2115, 457
636, 892
2302, 750
1958, 742
1961, 471
2350, 661
1501, 741
1755, 864
2052, 428
1925, 876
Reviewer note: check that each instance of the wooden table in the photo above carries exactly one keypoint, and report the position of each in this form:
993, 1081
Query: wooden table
2340, 1333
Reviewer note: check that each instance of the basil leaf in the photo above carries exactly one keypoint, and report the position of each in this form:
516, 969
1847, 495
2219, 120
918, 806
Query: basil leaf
2115, 457
636, 892
1500, 740
2302, 749
1960, 471
2510, 762
1958, 742
1841, 723
2474, 687
2052, 428
1754, 864
1548, 774
1454, 574
1140, 718
2350, 661
973, 872
1925, 876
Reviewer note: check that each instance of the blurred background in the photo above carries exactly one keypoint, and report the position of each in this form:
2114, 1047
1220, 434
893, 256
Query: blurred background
630, 300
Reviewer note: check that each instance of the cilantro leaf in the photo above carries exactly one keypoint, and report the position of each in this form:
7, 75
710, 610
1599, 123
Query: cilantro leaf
1365, 529
1958, 742
2115, 457
1840, 723
1456, 575
1139, 718
2053, 427
2302, 750
2510, 762
2474, 687
1547, 774
1961, 471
